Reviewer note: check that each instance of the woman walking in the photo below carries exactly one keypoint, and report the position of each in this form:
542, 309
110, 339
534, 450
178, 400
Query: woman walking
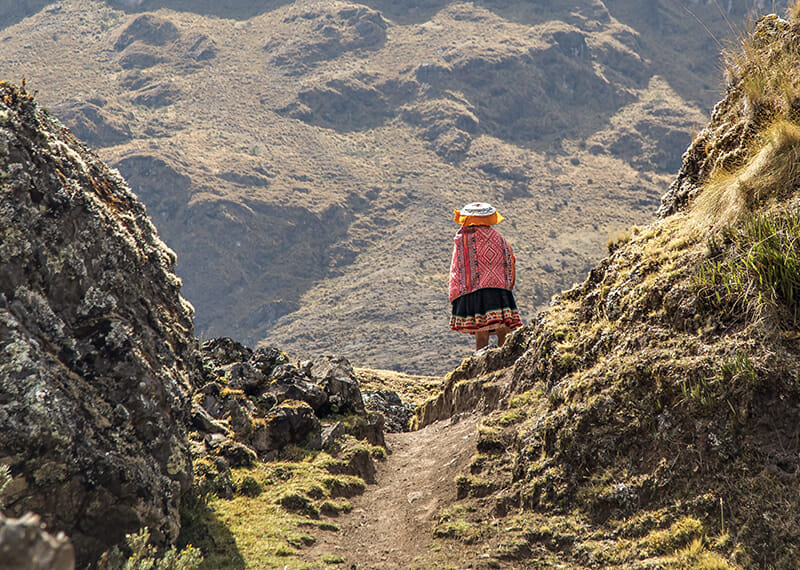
482, 276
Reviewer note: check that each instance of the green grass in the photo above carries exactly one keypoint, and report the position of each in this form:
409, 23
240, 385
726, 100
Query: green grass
754, 266
274, 514
145, 556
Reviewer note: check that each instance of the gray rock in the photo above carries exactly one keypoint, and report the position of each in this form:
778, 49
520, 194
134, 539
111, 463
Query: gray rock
237, 454
243, 376
96, 344
221, 351
266, 359
336, 376
25, 545
330, 434
203, 421
396, 414
290, 422
288, 383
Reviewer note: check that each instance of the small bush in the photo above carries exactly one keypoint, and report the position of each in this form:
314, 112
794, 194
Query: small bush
617, 240
249, 486
681, 533
144, 556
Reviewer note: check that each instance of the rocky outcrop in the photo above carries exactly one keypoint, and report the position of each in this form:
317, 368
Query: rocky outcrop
254, 403
96, 343
724, 143
26, 545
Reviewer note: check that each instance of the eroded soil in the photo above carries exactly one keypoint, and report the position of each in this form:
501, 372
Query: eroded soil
391, 524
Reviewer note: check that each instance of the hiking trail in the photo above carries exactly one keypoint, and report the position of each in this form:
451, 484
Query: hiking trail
391, 524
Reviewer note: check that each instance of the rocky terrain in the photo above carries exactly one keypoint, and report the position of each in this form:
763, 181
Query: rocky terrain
646, 419
96, 366
303, 159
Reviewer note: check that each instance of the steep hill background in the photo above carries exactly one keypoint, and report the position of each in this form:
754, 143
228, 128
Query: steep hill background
303, 158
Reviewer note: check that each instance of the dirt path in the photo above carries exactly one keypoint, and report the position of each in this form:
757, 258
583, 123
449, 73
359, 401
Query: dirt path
391, 524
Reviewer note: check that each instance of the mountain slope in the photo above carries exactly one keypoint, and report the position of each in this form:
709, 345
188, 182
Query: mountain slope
303, 158
648, 418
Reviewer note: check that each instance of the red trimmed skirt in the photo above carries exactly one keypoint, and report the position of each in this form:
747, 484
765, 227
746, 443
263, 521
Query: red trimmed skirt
485, 310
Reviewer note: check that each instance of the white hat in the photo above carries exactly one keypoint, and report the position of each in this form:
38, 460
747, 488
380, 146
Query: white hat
479, 209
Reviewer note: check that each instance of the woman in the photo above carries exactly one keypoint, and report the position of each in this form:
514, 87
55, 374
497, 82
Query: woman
482, 277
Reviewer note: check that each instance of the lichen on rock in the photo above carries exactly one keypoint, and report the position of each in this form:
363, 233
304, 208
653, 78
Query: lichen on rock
96, 342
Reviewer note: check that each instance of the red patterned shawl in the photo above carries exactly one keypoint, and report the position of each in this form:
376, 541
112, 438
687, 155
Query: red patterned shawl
481, 258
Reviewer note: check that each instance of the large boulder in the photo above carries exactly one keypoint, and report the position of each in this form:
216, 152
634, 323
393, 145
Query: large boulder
290, 422
96, 343
288, 383
336, 377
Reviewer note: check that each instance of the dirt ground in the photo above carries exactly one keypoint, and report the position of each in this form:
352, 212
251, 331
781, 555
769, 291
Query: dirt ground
391, 524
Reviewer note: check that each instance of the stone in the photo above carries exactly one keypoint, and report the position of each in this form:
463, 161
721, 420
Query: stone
26, 545
237, 454
357, 462
388, 404
203, 421
331, 433
221, 351
267, 358
369, 427
287, 383
97, 348
291, 422
336, 376
243, 376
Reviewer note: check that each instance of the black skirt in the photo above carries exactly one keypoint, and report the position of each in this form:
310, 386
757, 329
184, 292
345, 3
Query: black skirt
485, 310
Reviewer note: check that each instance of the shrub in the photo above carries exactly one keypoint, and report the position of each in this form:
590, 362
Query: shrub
144, 556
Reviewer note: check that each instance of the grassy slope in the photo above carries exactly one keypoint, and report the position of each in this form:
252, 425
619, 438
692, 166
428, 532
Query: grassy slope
343, 227
653, 421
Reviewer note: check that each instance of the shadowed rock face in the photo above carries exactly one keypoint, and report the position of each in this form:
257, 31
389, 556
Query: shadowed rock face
96, 343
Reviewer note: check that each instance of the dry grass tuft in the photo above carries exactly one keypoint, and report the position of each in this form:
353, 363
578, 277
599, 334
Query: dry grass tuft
773, 173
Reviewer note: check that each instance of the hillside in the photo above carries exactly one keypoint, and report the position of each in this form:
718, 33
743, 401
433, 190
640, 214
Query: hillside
303, 158
648, 418
645, 419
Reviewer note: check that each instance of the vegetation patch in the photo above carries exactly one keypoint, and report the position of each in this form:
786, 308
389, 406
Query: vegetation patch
753, 271
269, 517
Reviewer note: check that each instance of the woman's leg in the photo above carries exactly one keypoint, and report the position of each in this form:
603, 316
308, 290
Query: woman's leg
502, 332
481, 339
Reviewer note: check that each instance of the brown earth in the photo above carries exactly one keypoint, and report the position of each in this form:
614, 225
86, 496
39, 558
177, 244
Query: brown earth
391, 524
